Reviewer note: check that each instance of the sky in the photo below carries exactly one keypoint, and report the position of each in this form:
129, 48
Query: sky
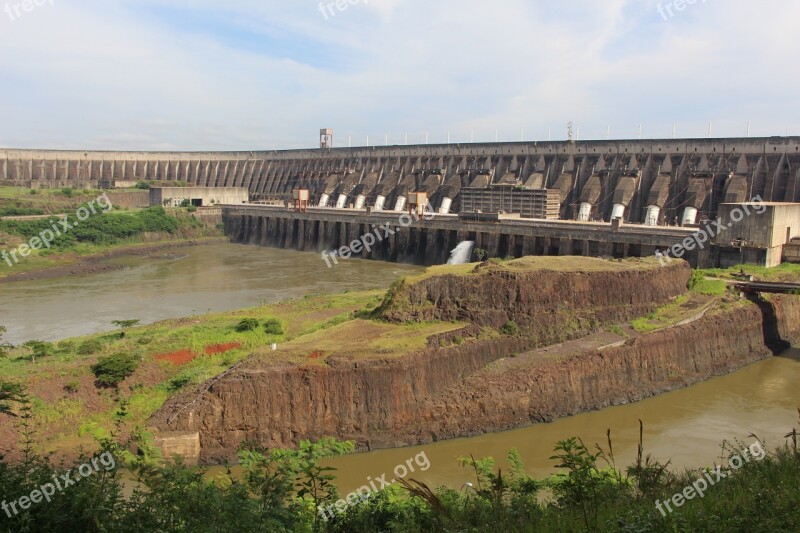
262, 74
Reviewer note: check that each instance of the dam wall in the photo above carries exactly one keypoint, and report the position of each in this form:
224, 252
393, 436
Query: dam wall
428, 240
641, 181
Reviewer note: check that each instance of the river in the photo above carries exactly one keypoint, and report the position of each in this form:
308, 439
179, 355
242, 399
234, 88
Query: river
178, 282
684, 426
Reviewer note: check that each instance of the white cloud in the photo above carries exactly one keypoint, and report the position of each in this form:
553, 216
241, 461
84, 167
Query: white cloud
253, 74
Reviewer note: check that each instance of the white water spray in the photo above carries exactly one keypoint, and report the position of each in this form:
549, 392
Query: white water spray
462, 253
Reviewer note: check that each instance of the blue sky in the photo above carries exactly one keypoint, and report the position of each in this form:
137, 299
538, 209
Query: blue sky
260, 74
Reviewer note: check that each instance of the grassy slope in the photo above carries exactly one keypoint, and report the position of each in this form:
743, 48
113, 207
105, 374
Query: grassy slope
56, 202
69, 408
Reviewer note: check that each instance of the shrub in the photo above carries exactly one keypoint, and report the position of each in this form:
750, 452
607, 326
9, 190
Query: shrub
273, 326
67, 191
90, 347
179, 382
510, 328
72, 387
697, 277
142, 185
191, 209
66, 346
247, 324
111, 370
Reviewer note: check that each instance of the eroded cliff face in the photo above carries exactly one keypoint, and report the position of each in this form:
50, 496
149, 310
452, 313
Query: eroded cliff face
442, 393
539, 299
520, 391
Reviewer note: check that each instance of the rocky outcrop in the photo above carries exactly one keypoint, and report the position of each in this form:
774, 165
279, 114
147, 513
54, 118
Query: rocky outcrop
472, 387
523, 390
537, 299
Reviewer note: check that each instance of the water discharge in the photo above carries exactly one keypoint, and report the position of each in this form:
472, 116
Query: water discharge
461, 254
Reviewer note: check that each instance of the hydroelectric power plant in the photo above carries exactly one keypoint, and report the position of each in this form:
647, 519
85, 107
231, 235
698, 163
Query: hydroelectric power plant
591, 198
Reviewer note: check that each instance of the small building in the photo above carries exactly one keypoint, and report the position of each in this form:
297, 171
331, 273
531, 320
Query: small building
528, 203
198, 196
755, 232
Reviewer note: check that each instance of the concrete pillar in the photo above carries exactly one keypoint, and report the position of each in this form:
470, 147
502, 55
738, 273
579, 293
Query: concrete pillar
323, 200
447, 203
618, 211
585, 212
401, 203
380, 201
340, 203
651, 219
360, 201
689, 216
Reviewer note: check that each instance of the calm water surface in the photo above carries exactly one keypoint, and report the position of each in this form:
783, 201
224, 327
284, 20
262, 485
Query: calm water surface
176, 283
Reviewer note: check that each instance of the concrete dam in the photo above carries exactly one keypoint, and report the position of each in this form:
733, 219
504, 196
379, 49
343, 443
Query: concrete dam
648, 185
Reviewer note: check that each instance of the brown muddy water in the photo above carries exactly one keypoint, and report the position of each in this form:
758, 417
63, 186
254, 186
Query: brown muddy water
177, 283
686, 426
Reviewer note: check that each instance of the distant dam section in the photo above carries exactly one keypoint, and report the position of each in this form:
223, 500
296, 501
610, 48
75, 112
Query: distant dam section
651, 182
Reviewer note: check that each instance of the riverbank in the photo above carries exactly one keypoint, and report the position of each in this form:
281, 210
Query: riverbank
94, 261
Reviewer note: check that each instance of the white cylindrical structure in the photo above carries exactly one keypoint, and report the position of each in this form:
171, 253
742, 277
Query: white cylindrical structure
690, 216
401, 203
651, 219
444, 209
618, 211
379, 203
585, 212
360, 201
340, 203
323, 200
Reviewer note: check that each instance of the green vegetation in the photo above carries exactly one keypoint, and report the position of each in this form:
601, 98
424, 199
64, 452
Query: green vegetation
90, 346
247, 324
288, 491
10, 393
510, 328
783, 272
99, 229
4, 346
39, 349
111, 370
273, 326
143, 185
12, 211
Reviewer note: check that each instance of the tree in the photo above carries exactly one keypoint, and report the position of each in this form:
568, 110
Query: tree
125, 324
111, 370
39, 349
480, 253
4, 346
9, 392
